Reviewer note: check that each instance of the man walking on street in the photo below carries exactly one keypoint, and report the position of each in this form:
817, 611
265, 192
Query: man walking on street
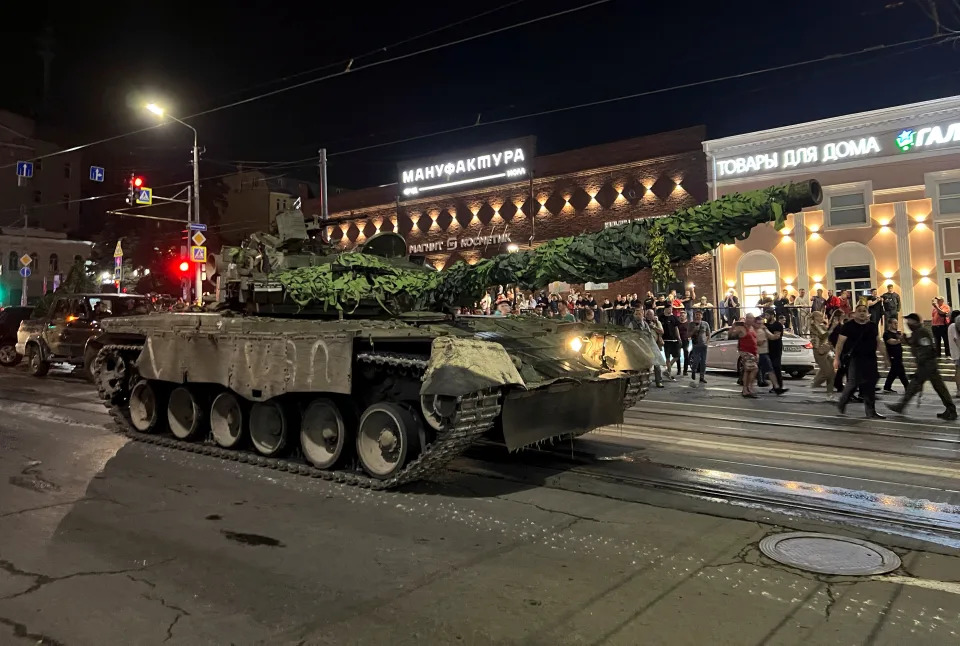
774, 325
745, 333
698, 331
857, 347
764, 338
939, 320
922, 346
891, 304
671, 339
893, 340
953, 337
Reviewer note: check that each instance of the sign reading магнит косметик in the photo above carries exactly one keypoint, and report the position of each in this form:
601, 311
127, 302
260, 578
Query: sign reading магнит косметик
496, 163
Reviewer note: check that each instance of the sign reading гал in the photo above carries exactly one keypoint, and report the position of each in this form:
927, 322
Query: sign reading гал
497, 163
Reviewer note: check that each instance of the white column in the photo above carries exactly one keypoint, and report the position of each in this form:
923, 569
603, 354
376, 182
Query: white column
800, 242
901, 223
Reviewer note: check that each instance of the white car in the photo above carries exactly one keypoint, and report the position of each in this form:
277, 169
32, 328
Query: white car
797, 360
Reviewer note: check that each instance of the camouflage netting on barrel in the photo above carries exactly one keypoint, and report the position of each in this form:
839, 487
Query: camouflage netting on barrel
604, 256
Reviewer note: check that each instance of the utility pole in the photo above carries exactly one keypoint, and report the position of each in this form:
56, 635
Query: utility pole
324, 200
23, 291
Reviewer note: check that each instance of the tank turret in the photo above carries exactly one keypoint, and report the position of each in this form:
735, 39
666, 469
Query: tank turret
289, 273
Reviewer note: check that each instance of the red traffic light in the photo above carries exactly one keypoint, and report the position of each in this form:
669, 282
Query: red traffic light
138, 181
184, 266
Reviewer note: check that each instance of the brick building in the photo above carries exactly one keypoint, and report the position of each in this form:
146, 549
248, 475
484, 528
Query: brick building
563, 194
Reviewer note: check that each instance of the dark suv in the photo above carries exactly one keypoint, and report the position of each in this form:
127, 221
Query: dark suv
10, 319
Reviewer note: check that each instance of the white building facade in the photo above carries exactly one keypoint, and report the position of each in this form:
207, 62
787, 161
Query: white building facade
890, 213
52, 255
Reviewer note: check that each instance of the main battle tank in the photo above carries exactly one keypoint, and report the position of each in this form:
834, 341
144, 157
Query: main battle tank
357, 367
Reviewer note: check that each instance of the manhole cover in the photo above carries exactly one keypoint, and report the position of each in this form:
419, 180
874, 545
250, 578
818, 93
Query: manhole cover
829, 554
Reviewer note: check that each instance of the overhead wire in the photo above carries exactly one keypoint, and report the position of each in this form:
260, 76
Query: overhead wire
348, 70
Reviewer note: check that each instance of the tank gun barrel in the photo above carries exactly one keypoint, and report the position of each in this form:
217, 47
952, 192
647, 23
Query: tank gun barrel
620, 251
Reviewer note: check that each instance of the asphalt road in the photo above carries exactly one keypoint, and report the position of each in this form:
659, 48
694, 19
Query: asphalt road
108, 542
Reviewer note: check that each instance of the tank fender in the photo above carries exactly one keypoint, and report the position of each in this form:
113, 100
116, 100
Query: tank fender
459, 366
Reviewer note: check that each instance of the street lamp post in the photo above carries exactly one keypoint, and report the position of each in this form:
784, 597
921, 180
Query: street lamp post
157, 110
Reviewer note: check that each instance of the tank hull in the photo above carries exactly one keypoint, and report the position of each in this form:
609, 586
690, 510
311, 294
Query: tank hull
444, 384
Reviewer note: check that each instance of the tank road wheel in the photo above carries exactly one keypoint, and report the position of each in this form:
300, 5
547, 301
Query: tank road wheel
146, 404
185, 413
324, 434
437, 410
388, 438
228, 419
272, 424
8, 355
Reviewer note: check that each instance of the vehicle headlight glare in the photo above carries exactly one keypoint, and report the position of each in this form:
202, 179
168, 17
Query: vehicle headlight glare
576, 344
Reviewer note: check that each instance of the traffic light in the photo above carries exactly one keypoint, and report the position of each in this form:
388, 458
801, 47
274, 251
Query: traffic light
184, 267
134, 183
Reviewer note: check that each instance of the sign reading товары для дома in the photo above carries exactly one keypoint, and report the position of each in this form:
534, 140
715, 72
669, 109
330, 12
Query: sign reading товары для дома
496, 163
842, 149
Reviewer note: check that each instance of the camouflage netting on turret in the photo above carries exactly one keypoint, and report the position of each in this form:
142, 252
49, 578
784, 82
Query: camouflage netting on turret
605, 256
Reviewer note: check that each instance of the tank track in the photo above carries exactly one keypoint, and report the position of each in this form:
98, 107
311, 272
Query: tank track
474, 417
636, 389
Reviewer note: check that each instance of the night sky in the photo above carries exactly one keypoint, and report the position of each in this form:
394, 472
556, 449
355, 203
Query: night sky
110, 60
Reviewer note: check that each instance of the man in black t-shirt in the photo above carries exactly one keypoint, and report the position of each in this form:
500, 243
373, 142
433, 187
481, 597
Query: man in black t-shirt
774, 324
893, 339
671, 339
649, 302
857, 346
875, 306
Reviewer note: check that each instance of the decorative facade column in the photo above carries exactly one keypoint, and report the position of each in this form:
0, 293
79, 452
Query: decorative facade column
800, 243
901, 225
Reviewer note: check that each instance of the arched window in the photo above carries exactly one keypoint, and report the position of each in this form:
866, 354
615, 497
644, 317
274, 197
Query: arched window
54, 263
14, 262
35, 265
759, 275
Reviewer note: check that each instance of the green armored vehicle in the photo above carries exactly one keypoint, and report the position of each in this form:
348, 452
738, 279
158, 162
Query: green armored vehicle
358, 367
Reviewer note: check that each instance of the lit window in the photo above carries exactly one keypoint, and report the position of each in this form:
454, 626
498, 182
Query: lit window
948, 194
847, 209
855, 279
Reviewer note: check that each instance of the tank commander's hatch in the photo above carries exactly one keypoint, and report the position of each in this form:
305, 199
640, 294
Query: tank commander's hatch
386, 245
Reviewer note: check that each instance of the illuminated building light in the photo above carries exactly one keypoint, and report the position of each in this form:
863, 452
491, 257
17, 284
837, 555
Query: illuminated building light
786, 231
619, 187
884, 222
920, 226
814, 236
788, 281
924, 272
731, 283
920, 217
925, 280
888, 274
885, 228
513, 247
818, 285
817, 279
814, 228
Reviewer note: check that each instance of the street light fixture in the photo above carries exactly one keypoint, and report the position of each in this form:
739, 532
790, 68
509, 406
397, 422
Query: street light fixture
160, 112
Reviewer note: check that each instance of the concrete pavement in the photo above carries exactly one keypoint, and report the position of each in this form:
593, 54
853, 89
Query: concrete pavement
105, 542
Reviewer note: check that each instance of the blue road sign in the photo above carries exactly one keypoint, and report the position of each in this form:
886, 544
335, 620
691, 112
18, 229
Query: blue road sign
144, 196
96, 173
196, 226
24, 169
25, 272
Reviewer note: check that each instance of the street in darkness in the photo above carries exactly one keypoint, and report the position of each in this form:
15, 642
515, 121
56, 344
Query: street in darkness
108, 542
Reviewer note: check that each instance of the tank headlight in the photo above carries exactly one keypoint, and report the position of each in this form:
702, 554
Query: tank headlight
576, 344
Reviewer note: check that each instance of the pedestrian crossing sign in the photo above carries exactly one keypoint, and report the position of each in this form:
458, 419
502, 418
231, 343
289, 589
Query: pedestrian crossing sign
198, 254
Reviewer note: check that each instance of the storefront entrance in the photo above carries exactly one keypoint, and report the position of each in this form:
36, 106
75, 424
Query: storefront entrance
856, 279
755, 283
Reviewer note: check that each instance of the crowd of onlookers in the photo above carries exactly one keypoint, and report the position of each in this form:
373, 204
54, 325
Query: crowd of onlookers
849, 336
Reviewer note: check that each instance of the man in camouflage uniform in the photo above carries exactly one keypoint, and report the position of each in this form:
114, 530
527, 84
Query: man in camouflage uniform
922, 346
